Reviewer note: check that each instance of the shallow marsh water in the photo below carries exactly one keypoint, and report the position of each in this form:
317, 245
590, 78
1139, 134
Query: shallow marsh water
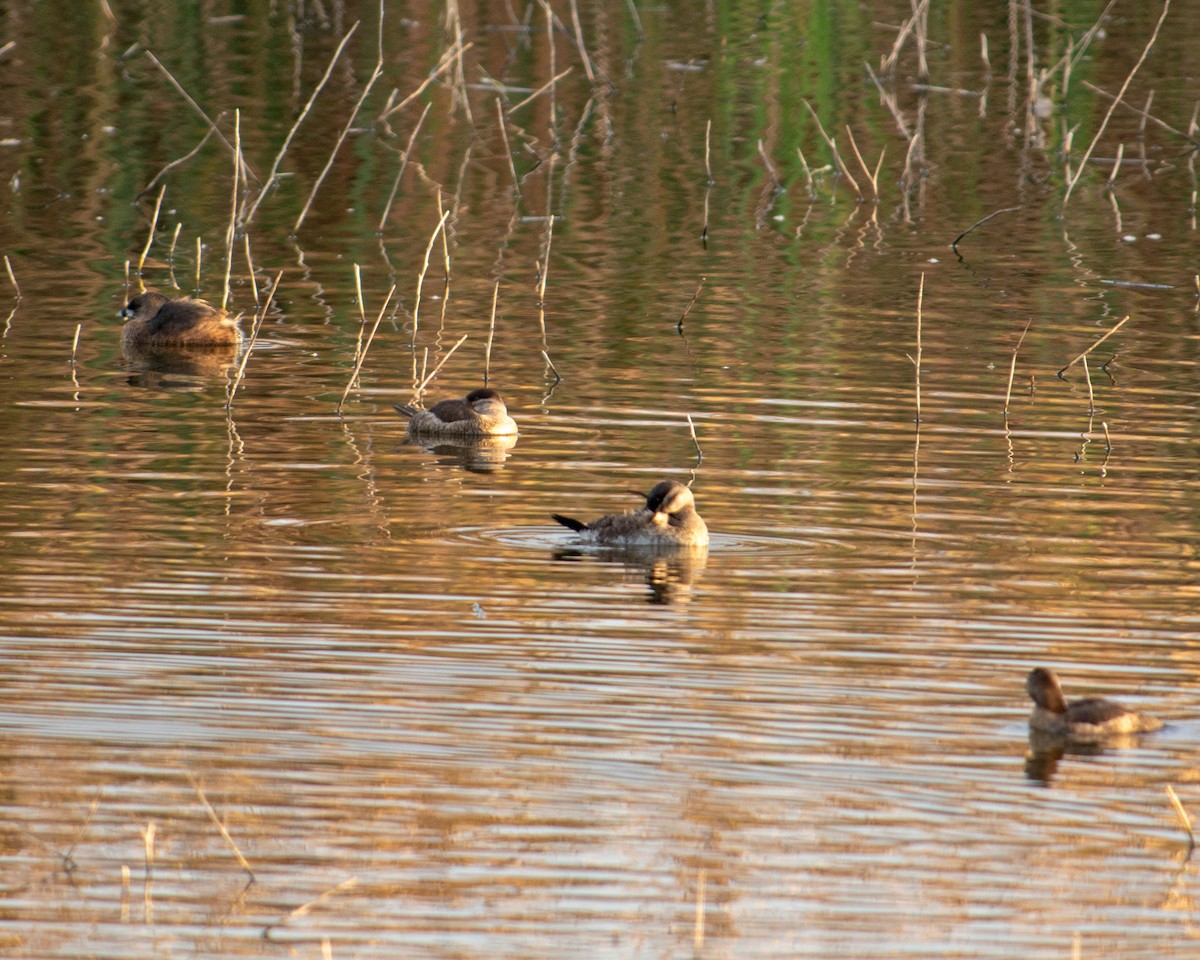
434, 726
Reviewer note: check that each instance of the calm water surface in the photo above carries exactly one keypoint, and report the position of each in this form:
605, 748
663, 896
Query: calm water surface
430, 723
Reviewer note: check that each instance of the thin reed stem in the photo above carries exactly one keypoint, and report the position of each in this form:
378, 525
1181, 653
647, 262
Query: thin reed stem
695, 440
153, 227
917, 361
691, 303
833, 147
1183, 817
1087, 375
75, 342
979, 223
403, 164
425, 269
363, 353
426, 380
583, 54
540, 90
553, 368
1094, 345
13, 279
175, 163
1013, 366
487, 350
199, 253
231, 232
512, 167
221, 827
259, 317
250, 268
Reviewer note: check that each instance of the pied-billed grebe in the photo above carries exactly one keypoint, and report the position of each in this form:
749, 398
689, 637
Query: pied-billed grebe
669, 519
153, 320
481, 413
1092, 718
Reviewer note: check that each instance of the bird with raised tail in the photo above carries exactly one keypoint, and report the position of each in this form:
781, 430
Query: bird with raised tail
669, 519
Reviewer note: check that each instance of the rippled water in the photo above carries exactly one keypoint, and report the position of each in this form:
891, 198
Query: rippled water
434, 725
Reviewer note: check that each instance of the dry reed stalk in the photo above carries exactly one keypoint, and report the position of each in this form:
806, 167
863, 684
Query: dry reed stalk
983, 53
445, 243
375, 75
287, 141
231, 231
358, 364
583, 54
426, 380
545, 265
707, 152
539, 91
199, 253
1087, 375
221, 827
75, 342
698, 926
1094, 345
637, 20
444, 63
917, 362
421, 277
1146, 117
11, 276
695, 440
1107, 438
553, 53
872, 177
691, 303
775, 182
553, 368
979, 223
250, 268
1072, 180
304, 909
259, 317
153, 226
174, 241
512, 167
403, 165
147, 883
1183, 816
887, 64
175, 163
1012, 369
195, 106
812, 189
833, 146
487, 350
362, 311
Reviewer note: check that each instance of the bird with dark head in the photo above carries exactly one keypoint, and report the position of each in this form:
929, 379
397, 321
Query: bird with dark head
153, 320
1087, 720
669, 519
481, 413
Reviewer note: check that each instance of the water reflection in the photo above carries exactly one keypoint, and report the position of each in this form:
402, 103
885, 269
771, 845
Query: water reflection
669, 573
477, 454
178, 368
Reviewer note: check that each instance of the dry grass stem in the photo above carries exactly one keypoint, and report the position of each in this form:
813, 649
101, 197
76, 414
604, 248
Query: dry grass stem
691, 303
1107, 437
917, 362
362, 311
362, 356
637, 20
583, 55
195, 106
540, 90
75, 342
708, 152
545, 264
872, 177
447, 60
153, 227
770, 168
916, 22
375, 75
403, 164
259, 317
306, 908
1074, 179
983, 53
695, 440
1183, 816
837, 156
231, 232
199, 254
1013, 366
487, 350
425, 269
1087, 375
175, 163
1143, 114
250, 268
1122, 323
553, 368
512, 167
287, 141
426, 380
698, 926
979, 223
445, 243
11, 276
174, 241
221, 827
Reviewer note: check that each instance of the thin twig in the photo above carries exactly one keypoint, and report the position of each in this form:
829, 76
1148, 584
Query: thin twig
512, 167
287, 141
424, 269
447, 60
75, 342
1087, 375
917, 361
1183, 817
259, 317
231, 233
403, 164
220, 826
979, 223
362, 356
1107, 438
174, 163
833, 146
11, 276
553, 368
707, 151
362, 311
691, 303
583, 55
1072, 180
425, 381
153, 226
540, 90
699, 452
487, 350
1013, 367
1094, 345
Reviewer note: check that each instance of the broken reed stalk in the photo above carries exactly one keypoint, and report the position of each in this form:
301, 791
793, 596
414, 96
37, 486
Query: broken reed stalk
445, 242
375, 75
837, 156
424, 270
1107, 438
250, 268
983, 53
153, 227
698, 926
259, 317
487, 350
545, 265
221, 827
707, 152
775, 181
1072, 180
1183, 817
174, 241
512, 167
362, 356
691, 303
403, 165
287, 141
695, 440
552, 50
199, 253
1145, 116
553, 368
637, 20
1087, 375
1094, 345
872, 177
446, 61
583, 54
175, 163
917, 362
362, 311
13, 279
425, 381
75, 342
1013, 366
231, 232
979, 223
195, 106
540, 90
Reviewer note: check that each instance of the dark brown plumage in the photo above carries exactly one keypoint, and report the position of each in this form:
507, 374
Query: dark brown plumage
153, 320
481, 413
1089, 719
669, 519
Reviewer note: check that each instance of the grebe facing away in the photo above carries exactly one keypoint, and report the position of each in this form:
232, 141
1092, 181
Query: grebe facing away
669, 519
153, 320
1090, 719
481, 413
